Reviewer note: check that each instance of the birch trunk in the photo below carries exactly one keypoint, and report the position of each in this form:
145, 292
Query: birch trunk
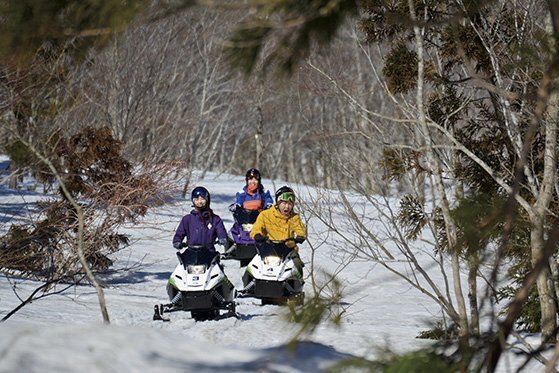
472, 296
435, 168
538, 217
538, 220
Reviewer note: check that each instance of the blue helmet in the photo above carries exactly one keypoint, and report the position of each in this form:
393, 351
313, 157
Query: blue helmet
200, 192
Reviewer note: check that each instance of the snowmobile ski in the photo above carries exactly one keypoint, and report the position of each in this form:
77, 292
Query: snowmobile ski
158, 313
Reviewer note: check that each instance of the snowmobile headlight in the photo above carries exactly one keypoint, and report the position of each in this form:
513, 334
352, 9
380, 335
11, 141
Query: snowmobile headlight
196, 269
247, 227
272, 260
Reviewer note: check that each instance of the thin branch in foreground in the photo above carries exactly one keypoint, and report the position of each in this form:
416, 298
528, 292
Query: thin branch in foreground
32, 297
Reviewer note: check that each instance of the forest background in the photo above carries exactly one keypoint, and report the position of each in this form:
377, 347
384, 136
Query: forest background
450, 107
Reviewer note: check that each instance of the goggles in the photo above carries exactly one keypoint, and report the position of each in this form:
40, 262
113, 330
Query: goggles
286, 197
200, 193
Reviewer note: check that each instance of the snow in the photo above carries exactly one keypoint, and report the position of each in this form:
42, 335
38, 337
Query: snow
64, 332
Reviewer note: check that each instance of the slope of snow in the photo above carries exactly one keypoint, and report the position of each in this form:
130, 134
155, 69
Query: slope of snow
64, 331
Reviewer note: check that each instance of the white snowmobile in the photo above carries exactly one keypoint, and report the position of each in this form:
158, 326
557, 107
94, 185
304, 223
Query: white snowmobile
274, 275
199, 285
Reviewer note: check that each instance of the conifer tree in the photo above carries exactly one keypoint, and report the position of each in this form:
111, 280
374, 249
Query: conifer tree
488, 73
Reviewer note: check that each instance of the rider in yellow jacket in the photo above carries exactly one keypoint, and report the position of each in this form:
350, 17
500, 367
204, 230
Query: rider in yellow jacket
280, 223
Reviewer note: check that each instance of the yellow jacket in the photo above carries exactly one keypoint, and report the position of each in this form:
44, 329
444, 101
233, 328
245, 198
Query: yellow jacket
272, 224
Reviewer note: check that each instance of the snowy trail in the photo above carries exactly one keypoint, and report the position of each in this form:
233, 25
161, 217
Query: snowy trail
381, 311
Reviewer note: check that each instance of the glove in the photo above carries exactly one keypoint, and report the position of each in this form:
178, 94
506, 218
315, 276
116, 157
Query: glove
224, 242
259, 238
177, 245
233, 207
290, 244
300, 239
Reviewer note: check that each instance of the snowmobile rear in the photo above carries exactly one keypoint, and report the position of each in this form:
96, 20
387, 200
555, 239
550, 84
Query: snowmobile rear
244, 247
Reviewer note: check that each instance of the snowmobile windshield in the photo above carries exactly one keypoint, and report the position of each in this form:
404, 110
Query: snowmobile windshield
243, 216
273, 249
194, 255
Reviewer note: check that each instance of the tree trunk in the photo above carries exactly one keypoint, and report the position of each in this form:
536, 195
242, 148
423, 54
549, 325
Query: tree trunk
12, 184
538, 220
434, 167
472, 296
258, 136
555, 277
544, 284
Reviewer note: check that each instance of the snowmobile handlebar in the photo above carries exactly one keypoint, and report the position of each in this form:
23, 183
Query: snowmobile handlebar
183, 245
197, 253
264, 239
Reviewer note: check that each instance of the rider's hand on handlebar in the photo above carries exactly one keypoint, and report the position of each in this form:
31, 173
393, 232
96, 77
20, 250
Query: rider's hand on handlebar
290, 243
259, 238
300, 239
177, 245
224, 242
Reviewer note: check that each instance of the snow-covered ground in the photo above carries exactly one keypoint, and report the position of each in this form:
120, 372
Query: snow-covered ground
64, 332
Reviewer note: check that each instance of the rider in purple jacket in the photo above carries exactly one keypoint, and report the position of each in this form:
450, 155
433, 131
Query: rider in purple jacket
201, 226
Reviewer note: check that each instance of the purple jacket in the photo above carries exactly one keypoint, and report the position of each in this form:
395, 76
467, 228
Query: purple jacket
240, 231
200, 229
241, 236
